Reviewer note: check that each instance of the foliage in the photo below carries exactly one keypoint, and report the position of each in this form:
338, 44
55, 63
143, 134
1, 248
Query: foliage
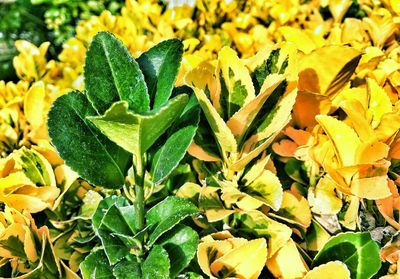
221, 139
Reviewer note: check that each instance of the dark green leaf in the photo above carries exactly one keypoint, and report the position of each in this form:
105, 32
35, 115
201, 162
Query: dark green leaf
166, 214
14, 246
357, 250
127, 269
160, 67
88, 152
96, 266
181, 244
135, 132
157, 264
114, 247
114, 223
103, 207
268, 67
111, 74
174, 149
120, 219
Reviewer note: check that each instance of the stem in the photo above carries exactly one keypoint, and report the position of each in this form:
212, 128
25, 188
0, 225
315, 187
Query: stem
139, 199
139, 206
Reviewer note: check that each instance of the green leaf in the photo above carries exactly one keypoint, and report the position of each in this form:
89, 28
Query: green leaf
181, 245
166, 214
134, 132
157, 264
111, 74
268, 67
192, 275
114, 223
120, 219
81, 145
103, 206
96, 266
14, 246
357, 250
174, 149
114, 247
160, 66
127, 269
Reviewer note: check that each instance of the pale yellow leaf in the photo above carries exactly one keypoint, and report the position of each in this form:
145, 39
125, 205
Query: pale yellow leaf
330, 270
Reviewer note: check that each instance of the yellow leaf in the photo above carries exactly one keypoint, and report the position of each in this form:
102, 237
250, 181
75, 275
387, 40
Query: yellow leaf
295, 208
223, 134
200, 153
266, 188
343, 137
379, 102
233, 197
372, 188
315, 77
338, 8
299, 38
370, 152
189, 191
237, 80
255, 169
357, 115
330, 270
276, 233
350, 218
246, 261
317, 236
210, 250
287, 263
34, 104
29, 246
210, 202
388, 126
244, 117
323, 198
278, 119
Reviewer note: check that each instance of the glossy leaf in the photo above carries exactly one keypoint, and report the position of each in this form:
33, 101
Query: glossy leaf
83, 147
157, 264
344, 138
357, 250
136, 133
167, 158
165, 215
127, 269
111, 74
245, 261
267, 189
104, 205
96, 266
315, 78
287, 262
181, 245
160, 66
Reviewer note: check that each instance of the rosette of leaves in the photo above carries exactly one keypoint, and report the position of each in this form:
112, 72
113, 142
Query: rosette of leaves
246, 103
170, 246
129, 128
